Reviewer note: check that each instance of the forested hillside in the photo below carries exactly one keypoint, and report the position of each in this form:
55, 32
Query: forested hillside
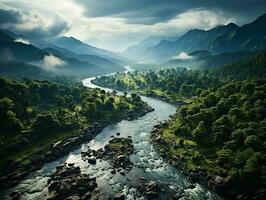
222, 132
171, 85
249, 67
36, 114
219, 129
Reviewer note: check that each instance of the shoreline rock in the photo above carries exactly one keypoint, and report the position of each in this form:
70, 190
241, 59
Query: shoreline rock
11, 176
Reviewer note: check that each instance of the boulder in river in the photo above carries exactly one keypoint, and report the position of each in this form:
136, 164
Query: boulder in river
117, 151
67, 182
149, 188
92, 160
119, 196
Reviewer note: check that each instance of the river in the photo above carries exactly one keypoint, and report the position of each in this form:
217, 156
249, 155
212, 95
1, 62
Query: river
147, 162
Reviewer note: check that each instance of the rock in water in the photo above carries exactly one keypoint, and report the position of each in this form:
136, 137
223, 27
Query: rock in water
117, 151
150, 189
119, 196
92, 160
67, 182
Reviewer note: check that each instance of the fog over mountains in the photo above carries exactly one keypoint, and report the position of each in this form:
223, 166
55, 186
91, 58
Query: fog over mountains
70, 56
66, 56
221, 39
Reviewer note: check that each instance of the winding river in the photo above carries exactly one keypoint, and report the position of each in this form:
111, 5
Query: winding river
147, 162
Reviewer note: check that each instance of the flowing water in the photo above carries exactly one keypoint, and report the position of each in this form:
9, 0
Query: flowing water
147, 162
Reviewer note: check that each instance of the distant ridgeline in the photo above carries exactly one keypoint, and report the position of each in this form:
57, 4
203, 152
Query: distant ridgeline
220, 40
221, 127
19, 59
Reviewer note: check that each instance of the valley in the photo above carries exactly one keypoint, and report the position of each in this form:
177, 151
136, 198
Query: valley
162, 100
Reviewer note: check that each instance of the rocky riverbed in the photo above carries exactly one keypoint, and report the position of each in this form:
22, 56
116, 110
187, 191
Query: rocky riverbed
117, 152
67, 182
149, 177
13, 172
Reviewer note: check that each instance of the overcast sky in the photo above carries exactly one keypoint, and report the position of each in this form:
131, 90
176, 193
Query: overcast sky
116, 24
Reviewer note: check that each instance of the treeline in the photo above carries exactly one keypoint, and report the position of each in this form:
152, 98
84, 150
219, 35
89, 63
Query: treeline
228, 125
43, 110
250, 67
168, 84
221, 129
175, 84
18, 71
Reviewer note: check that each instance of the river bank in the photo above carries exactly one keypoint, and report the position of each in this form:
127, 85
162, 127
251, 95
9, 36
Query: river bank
222, 185
149, 175
13, 172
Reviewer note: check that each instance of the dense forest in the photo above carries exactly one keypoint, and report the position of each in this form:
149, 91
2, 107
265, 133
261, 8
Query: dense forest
220, 127
133, 100
175, 84
222, 132
35, 114
171, 85
250, 67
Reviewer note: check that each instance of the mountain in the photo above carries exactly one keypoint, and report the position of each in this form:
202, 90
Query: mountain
221, 39
206, 60
136, 51
102, 63
5, 37
253, 66
12, 50
19, 56
79, 47
200, 54
193, 40
249, 37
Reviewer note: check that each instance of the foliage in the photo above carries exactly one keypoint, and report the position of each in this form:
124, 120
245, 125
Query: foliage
168, 84
228, 125
35, 111
250, 67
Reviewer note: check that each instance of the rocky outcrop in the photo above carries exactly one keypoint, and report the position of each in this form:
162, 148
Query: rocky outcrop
62, 148
131, 115
67, 182
13, 172
149, 188
117, 152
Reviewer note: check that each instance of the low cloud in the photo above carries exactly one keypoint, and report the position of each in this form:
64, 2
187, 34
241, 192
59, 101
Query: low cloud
21, 40
183, 56
51, 62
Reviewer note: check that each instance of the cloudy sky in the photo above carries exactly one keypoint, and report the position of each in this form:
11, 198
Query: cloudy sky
116, 24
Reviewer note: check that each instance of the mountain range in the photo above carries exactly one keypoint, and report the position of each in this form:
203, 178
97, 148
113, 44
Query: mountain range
70, 57
220, 45
221, 39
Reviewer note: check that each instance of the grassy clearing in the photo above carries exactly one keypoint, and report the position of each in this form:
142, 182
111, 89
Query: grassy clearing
189, 152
